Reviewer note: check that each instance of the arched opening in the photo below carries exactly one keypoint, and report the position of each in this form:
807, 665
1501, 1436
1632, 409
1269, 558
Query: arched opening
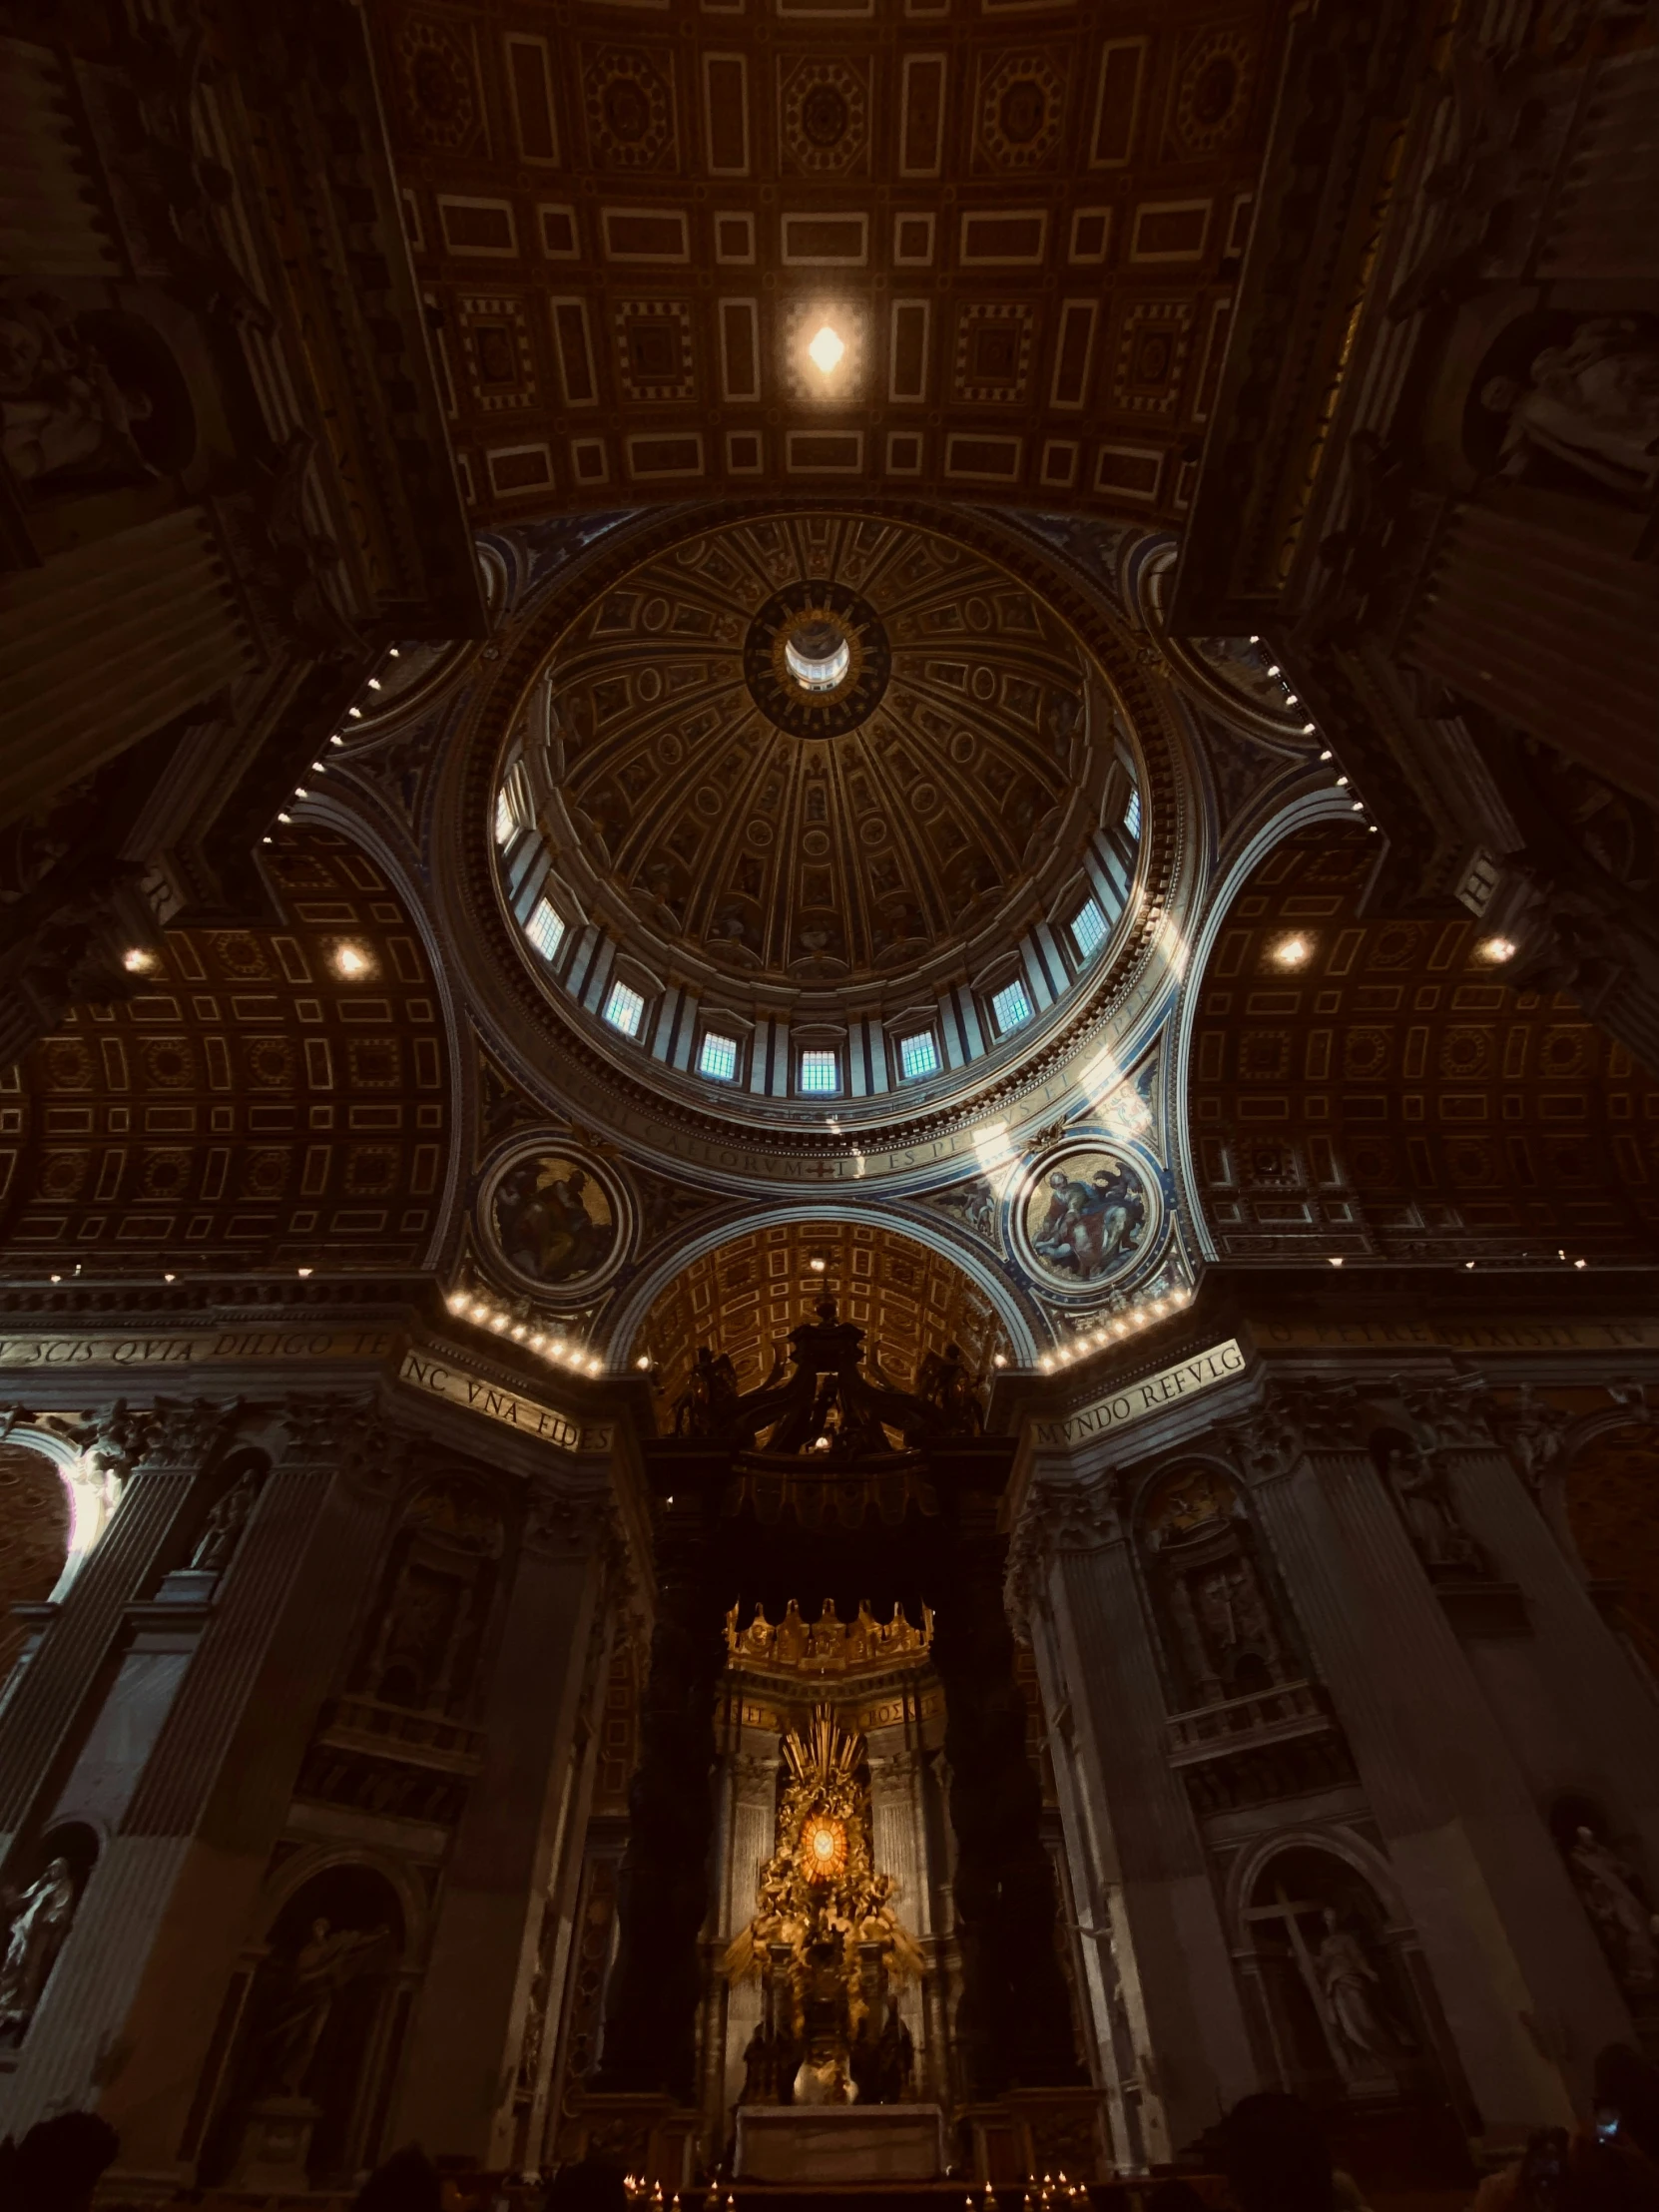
36, 1519
318, 2048
1334, 2007
743, 1298
1611, 1489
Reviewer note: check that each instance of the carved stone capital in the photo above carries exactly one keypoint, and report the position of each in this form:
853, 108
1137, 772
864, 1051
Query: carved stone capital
334, 1429
172, 1434
1059, 1515
1530, 1430
754, 1777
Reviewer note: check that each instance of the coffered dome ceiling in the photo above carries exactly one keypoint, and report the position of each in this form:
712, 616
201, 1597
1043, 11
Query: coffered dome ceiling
807, 753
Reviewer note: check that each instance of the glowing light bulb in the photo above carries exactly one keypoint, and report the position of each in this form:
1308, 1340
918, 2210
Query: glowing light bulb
826, 350
1496, 950
136, 961
350, 959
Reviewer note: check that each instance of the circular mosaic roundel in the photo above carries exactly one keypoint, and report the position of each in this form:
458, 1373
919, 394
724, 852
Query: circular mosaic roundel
554, 1217
813, 625
1087, 1216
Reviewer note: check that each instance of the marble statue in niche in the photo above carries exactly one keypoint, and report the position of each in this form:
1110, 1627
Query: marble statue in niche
1087, 1216
328, 1959
553, 1219
1610, 1891
1592, 404
40, 1921
1332, 1983
436, 1592
1219, 1620
222, 1531
1353, 1992
86, 399
1419, 1491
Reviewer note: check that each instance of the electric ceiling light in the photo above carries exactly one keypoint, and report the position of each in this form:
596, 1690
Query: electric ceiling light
392, 653
375, 682
1581, 1263
826, 350
1496, 950
136, 961
356, 713
303, 1270
519, 1330
643, 1363
168, 1278
1273, 668
285, 817
351, 959
818, 1263
999, 1359
1255, 640
480, 1312
537, 1341
302, 792
1336, 1258
1046, 1365
1308, 728
1357, 808
336, 739
1341, 782
1292, 951
1326, 754
1291, 698
498, 1322
595, 1364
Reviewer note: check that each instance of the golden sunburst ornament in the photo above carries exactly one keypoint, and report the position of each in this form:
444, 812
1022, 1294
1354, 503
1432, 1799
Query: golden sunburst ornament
823, 1848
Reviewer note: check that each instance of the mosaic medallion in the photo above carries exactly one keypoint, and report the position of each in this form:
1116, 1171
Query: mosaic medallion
554, 1217
1088, 1217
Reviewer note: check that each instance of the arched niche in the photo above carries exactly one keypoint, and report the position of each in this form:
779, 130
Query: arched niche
1332, 1996
37, 1530
424, 1645
742, 1295
318, 2038
1222, 1621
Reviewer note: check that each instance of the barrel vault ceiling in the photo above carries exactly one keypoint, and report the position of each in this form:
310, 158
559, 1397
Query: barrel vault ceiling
1023, 221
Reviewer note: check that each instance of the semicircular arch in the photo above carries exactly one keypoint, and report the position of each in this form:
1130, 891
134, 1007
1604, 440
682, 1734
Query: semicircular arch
740, 1291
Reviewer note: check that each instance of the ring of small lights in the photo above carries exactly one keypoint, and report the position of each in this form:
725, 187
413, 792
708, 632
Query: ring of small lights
804, 714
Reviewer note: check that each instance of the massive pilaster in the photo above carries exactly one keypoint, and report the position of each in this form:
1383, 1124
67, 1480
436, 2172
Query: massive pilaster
466, 2031
134, 2000
1014, 2020
1160, 1955
1515, 1966
650, 2015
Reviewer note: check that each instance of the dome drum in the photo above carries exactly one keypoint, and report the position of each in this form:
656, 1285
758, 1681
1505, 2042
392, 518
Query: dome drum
959, 798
